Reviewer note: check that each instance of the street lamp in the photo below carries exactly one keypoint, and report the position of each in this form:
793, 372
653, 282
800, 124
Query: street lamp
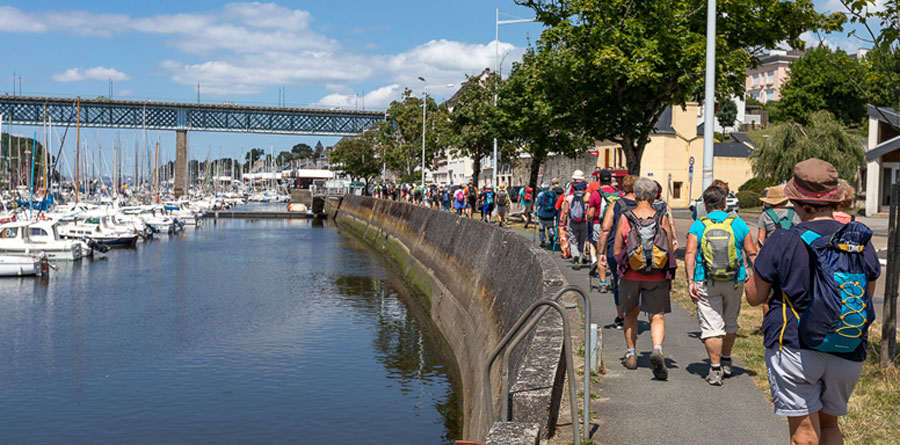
497, 23
424, 103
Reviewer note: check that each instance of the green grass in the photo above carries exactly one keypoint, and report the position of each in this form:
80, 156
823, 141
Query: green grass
757, 135
874, 408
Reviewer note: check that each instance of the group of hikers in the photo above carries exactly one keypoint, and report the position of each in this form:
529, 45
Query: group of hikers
465, 200
812, 268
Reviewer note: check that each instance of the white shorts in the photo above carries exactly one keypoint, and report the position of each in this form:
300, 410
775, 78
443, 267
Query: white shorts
803, 381
719, 307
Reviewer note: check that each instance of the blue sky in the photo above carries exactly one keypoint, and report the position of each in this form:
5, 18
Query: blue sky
338, 53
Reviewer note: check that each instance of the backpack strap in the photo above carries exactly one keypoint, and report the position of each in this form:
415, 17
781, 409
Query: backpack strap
809, 236
785, 303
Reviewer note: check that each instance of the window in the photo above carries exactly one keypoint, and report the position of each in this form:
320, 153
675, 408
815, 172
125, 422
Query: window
756, 79
606, 158
36, 231
676, 190
772, 76
770, 94
9, 232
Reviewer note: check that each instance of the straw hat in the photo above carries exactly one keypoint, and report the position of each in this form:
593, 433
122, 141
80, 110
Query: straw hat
774, 196
814, 181
502, 186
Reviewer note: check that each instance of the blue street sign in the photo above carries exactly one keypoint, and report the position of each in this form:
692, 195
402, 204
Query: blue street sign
691, 161
691, 169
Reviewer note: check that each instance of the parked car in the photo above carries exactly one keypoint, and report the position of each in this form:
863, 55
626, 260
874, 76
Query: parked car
731, 203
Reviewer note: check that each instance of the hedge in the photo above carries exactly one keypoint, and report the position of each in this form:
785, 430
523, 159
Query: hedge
748, 199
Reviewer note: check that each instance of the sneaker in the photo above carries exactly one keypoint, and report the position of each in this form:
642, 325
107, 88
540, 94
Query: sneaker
619, 323
630, 362
577, 265
658, 363
715, 377
726, 367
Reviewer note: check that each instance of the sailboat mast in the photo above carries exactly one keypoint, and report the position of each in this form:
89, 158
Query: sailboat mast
77, 145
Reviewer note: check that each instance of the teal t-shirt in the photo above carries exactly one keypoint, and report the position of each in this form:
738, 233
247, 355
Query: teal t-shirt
741, 231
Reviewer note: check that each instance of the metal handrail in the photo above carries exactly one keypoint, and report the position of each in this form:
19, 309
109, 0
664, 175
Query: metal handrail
567, 353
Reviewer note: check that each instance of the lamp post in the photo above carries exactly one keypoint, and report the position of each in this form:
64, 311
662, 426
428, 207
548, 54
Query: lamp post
710, 92
497, 23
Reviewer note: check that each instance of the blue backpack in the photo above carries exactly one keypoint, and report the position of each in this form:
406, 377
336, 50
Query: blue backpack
547, 204
840, 308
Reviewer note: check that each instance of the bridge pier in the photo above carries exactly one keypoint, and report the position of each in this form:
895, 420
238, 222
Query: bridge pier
181, 144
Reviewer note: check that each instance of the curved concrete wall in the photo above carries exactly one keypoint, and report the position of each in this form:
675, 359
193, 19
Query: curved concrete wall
476, 280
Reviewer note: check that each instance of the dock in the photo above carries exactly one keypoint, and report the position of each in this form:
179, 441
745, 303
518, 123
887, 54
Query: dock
227, 214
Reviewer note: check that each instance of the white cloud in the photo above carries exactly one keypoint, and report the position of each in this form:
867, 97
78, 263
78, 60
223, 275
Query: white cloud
379, 98
443, 61
95, 73
124, 93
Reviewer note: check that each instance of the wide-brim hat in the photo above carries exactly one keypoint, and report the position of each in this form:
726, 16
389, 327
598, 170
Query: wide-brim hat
578, 175
814, 181
774, 196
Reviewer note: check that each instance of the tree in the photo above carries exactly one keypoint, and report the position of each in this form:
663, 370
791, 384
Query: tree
359, 157
824, 138
284, 158
302, 151
254, 154
727, 113
821, 80
469, 128
530, 118
401, 134
627, 61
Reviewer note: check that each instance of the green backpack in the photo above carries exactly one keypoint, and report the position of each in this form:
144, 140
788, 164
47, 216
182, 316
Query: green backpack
786, 223
718, 248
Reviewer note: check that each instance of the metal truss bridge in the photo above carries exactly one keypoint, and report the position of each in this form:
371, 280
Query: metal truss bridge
186, 116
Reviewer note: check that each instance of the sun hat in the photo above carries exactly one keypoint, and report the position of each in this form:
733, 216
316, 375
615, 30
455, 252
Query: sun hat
502, 186
774, 196
578, 175
814, 181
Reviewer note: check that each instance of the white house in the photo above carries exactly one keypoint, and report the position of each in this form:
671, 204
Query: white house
882, 158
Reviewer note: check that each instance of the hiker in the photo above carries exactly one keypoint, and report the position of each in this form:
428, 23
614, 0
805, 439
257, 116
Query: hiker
608, 194
718, 244
574, 211
445, 198
776, 215
459, 200
608, 237
841, 215
502, 204
661, 206
525, 197
595, 208
700, 209
814, 355
487, 204
546, 213
471, 199
645, 256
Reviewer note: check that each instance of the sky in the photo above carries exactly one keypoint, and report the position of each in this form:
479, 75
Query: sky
352, 54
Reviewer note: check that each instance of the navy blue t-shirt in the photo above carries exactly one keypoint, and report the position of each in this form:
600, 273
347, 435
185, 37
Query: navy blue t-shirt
620, 206
785, 262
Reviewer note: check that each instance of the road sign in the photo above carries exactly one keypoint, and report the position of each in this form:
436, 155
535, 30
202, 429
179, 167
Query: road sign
691, 161
595, 152
691, 169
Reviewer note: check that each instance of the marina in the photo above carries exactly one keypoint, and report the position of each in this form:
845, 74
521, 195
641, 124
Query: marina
239, 331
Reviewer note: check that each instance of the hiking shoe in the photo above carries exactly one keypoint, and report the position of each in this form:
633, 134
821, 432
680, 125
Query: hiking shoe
658, 363
726, 367
715, 377
630, 362
577, 265
619, 323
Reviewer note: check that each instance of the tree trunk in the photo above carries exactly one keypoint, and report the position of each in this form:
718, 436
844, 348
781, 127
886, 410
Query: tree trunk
476, 170
533, 172
633, 153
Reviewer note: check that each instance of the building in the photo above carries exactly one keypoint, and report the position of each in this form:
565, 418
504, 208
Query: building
764, 82
882, 158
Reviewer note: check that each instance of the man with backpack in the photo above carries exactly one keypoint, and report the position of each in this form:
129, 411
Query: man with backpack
646, 262
818, 278
776, 215
526, 196
715, 273
546, 213
600, 202
574, 210
471, 199
502, 204
487, 204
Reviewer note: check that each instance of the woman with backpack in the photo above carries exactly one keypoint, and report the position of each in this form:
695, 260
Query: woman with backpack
776, 216
646, 264
574, 213
502, 204
821, 275
459, 200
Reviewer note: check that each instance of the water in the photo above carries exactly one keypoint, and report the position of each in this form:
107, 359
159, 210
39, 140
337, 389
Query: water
242, 331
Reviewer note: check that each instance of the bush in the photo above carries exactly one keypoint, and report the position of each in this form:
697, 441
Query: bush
748, 199
756, 184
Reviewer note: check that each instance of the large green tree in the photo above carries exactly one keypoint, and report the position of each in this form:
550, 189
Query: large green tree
400, 135
470, 125
823, 79
302, 151
630, 60
531, 116
790, 142
359, 157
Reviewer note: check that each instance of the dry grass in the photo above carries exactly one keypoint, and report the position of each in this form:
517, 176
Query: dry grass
874, 411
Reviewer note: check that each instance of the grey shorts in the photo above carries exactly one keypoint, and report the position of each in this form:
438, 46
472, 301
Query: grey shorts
719, 307
804, 381
594, 231
652, 296
501, 210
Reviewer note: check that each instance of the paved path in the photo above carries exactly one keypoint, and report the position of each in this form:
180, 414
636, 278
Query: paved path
635, 408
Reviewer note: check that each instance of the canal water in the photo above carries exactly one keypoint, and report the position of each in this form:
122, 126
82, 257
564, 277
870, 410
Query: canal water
241, 331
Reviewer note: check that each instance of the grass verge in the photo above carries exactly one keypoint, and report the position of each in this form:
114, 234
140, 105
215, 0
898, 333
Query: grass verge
873, 415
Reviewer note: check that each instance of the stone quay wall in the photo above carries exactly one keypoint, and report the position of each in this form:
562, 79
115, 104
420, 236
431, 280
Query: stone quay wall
475, 281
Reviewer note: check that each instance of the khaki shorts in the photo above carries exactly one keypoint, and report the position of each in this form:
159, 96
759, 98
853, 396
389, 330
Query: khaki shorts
719, 307
652, 296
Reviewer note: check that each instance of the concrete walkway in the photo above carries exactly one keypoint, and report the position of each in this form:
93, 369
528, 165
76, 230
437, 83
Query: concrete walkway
637, 409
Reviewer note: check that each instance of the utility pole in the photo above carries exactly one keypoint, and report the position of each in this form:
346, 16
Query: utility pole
497, 23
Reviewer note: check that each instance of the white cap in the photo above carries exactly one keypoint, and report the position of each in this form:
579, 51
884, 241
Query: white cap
578, 175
